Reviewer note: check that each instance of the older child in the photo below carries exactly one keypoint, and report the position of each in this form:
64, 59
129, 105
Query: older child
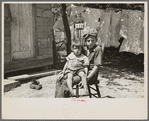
77, 64
94, 52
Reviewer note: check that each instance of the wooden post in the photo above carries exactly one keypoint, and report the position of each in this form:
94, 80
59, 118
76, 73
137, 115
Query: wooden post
66, 27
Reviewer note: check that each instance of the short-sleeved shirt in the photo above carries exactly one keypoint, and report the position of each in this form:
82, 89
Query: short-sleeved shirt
75, 63
94, 55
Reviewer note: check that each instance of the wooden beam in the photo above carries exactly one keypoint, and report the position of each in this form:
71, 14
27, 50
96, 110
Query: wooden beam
39, 75
27, 64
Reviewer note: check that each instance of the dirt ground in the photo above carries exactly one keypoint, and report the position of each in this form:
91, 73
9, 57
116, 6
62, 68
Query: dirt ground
121, 76
133, 87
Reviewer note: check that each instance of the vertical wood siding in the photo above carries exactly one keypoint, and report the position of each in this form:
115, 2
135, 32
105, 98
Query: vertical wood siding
7, 31
22, 31
44, 28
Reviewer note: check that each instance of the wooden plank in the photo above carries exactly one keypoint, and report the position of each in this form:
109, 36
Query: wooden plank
35, 25
26, 31
44, 60
7, 57
43, 22
29, 67
48, 30
34, 30
6, 24
22, 55
7, 47
39, 12
14, 8
44, 13
51, 21
45, 6
7, 31
41, 19
47, 13
19, 65
46, 56
44, 29
44, 32
42, 35
15, 66
42, 43
45, 43
22, 32
6, 11
38, 75
7, 38
45, 51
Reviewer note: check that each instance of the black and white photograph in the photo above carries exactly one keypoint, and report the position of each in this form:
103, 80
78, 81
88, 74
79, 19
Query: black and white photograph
76, 51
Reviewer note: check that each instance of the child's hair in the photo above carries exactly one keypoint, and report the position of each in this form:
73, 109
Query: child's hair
76, 42
90, 32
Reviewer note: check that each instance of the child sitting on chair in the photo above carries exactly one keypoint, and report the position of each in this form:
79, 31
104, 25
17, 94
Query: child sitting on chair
77, 64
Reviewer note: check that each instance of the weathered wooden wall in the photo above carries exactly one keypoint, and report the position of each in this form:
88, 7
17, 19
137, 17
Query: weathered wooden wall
7, 34
22, 31
42, 32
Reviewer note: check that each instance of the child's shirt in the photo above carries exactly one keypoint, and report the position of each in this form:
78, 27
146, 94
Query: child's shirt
75, 63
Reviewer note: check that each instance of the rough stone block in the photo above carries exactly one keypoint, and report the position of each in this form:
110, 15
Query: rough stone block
10, 84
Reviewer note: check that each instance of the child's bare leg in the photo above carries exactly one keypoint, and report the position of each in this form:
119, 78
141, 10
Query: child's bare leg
69, 82
84, 81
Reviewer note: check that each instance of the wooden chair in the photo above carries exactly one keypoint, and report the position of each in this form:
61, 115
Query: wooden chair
90, 84
90, 88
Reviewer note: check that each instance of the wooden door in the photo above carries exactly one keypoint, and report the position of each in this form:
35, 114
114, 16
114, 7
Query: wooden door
22, 43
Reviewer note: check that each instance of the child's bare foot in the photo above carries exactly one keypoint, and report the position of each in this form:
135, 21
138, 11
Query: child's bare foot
72, 93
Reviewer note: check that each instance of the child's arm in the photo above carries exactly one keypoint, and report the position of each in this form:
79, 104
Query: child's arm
65, 67
66, 64
86, 70
62, 73
86, 64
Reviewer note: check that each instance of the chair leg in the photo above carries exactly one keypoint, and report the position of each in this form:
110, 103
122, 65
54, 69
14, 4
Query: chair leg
90, 95
77, 91
98, 92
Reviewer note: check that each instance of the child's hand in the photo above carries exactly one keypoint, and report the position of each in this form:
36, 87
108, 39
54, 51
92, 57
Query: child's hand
80, 84
61, 74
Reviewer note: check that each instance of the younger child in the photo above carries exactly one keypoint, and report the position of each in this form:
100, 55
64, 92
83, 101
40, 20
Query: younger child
77, 64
